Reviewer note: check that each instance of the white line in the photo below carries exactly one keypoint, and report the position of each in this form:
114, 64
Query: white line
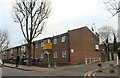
86, 74
90, 73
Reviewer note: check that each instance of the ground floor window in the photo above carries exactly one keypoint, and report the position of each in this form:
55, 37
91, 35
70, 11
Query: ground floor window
64, 54
55, 54
42, 56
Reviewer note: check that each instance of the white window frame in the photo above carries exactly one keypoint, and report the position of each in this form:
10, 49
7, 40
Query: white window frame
55, 54
63, 38
48, 41
23, 48
42, 56
32, 46
42, 43
64, 54
55, 40
36, 44
11, 52
96, 47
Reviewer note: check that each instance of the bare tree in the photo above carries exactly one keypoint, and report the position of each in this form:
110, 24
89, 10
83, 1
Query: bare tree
112, 6
4, 40
106, 35
22, 42
31, 15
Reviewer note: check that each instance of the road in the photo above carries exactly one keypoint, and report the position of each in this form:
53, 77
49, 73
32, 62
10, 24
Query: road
79, 70
82, 69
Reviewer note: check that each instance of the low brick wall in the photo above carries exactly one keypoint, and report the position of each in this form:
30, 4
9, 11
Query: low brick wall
39, 64
51, 64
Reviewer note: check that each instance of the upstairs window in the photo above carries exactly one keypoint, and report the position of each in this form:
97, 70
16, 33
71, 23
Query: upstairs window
36, 44
64, 55
48, 40
55, 40
11, 52
63, 39
32, 46
42, 43
96, 47
23, 48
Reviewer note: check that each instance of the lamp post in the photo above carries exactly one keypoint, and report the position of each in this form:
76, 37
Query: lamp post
72, 51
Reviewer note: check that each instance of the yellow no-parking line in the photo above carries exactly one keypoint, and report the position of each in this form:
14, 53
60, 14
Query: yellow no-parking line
90, 73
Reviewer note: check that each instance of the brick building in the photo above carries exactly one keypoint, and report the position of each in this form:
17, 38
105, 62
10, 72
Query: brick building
112, 54
76, 46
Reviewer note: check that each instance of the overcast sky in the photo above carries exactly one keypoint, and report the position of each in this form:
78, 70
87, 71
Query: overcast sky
66, 15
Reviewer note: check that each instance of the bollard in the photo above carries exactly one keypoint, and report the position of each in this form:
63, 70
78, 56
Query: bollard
111, 70
99, 67
55, 65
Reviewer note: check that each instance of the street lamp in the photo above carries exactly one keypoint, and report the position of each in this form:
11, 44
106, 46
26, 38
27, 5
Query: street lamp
72, 51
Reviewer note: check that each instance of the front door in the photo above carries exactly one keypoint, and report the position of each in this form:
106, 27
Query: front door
47, 56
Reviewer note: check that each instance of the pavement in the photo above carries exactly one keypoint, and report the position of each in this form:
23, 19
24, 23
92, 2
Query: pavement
105, 71
29, 68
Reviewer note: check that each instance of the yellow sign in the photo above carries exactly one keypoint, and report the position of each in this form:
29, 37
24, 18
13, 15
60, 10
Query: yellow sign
47, 46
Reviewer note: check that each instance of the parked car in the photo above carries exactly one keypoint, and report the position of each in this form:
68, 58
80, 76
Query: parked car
1, 62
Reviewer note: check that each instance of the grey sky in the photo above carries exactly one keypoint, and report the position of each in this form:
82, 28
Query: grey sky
66, 15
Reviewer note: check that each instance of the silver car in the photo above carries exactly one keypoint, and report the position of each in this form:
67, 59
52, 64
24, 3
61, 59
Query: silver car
1, 63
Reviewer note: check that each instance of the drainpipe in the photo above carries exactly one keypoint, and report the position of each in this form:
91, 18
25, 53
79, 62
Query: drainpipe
69, 46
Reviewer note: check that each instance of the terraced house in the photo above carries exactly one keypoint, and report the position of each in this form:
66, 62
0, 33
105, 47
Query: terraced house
76, 46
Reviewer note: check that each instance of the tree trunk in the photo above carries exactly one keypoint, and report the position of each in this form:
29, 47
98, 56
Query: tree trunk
29, 54
112, 56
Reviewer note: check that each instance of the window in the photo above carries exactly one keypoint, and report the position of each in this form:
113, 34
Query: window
42, 43
36, 44
3, 53
42, 56
96, 47
48, 41
11, 52
55, 54
23, 48
55, 40
64, 54
63, 38
32, 46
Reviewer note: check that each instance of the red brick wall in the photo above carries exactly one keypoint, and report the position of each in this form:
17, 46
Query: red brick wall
38, 51
59, 47
83, 42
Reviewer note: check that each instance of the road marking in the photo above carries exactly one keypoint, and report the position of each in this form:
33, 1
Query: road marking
86, 74
94, 74
90, 73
